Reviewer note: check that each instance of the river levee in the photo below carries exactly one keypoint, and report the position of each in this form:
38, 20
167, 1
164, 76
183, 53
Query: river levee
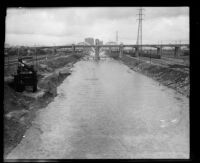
106, 110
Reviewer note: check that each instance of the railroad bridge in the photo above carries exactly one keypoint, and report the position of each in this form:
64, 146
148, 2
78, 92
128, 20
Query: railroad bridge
120, 47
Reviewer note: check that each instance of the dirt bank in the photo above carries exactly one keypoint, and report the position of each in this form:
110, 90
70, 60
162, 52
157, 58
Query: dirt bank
20, 108
169, 77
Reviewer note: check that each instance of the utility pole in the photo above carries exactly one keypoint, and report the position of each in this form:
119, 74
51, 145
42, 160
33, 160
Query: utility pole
139, 34
35, 49
117, 37
18, 51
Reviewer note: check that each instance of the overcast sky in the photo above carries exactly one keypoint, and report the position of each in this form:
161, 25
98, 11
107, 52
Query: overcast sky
59, 26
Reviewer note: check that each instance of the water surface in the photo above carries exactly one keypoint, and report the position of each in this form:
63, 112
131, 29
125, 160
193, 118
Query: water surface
106, 110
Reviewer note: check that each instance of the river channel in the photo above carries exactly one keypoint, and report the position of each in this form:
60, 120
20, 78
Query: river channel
106, 110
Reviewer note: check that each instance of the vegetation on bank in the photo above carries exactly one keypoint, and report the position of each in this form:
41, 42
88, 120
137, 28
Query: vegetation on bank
20, 108
177, 80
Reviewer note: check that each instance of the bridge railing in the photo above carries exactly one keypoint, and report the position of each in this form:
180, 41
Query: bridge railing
124, 45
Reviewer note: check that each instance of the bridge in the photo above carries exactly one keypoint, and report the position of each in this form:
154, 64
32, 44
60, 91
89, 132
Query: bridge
97, 47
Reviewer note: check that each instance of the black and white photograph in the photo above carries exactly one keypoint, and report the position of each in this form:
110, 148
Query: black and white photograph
97, 83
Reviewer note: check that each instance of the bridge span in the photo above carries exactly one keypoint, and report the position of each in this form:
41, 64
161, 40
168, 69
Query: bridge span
97, 47
120, 48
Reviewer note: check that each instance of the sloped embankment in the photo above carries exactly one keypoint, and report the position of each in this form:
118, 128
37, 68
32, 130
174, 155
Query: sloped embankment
169, 77
20, 108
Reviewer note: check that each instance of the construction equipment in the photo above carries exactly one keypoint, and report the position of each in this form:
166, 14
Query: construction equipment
26, 76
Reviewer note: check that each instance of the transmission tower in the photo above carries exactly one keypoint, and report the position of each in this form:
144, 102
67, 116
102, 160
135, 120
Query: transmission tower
139, 34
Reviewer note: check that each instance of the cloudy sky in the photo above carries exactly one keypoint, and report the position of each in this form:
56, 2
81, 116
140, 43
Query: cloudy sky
59, 26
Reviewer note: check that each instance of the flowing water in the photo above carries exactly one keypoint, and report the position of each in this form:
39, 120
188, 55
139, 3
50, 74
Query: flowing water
106, 110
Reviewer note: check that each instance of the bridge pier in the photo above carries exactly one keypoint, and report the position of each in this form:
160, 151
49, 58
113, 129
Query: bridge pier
177, 51
73, 49
97, 51
121, 51
133, 50
137, 51
109, 50
159, 51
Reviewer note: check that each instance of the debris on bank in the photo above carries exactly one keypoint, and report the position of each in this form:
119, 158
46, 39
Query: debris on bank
20, 108
177, 80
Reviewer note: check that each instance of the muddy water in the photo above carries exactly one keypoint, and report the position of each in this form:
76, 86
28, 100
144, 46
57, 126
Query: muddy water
106, 110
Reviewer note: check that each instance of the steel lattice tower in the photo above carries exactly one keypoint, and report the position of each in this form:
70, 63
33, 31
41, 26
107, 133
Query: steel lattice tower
139, 34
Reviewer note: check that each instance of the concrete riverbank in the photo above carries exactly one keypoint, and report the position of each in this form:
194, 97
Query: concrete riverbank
20, 108
106, 110
177, 80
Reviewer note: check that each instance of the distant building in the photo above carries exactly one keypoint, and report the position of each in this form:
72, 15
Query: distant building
89, 40
97, 41
100, 42
111, 43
